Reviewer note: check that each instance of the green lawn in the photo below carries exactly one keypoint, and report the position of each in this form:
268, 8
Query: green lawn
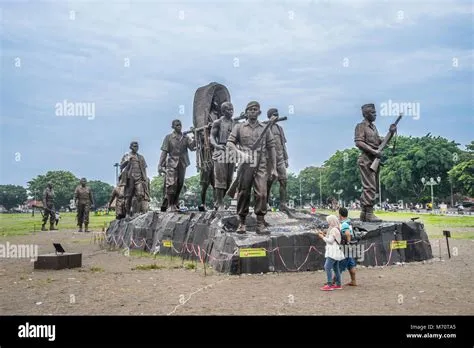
15, 224
461, 227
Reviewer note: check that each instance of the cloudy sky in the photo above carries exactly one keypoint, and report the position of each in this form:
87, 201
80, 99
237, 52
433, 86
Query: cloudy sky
139, 64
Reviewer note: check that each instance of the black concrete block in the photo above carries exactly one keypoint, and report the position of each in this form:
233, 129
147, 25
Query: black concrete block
59, 261
255, 264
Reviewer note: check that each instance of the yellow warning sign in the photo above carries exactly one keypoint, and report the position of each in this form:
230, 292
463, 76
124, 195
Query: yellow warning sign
253, 252
168, 243
399, 244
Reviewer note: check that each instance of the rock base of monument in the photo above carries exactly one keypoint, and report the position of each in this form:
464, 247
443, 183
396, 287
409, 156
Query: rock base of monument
292, 246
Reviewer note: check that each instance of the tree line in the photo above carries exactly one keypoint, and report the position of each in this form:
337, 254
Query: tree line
64, 184
404, 164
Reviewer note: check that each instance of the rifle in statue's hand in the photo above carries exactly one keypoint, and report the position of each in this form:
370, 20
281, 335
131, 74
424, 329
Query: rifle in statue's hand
243, 116
375, 164
195, 130
279, 119
190, 130
40, 209
235, 183
268, 125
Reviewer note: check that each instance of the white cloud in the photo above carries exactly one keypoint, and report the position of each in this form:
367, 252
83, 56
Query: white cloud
290, 53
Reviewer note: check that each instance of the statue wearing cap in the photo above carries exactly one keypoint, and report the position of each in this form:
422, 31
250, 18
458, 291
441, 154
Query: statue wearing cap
281, 158
367, 139
48, 206
253, 175
84, 200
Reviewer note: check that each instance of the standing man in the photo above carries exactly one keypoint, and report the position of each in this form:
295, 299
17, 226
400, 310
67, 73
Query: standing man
282, 160
223, 168
368, 140
133, 166
48, 206
253, 175
347, 235
173, 161
84, 200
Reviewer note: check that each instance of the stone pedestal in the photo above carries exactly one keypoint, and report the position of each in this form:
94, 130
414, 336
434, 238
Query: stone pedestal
58, 261
292, 245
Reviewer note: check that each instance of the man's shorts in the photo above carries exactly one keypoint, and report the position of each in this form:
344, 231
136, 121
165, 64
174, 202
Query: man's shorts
348, 263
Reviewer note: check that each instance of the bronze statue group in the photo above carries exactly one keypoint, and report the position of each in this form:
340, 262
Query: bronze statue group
258, 148
253, 150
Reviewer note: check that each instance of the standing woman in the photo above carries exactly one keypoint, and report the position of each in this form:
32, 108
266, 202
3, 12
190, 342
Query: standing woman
333, 253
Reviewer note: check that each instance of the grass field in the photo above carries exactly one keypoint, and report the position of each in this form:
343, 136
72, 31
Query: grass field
461, 227
17, 224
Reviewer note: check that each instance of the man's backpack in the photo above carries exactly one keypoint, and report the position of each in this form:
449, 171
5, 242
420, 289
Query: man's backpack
354, 238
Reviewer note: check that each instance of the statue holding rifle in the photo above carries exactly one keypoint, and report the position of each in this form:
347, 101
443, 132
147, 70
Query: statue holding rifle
368, 140
48, 206
252, 136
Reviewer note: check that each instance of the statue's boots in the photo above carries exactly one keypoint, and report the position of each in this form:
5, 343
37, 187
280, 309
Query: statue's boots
164, 205
265, 222
363, 213
51, 227
86, 228
370, 216
283, 194
43, 227
220, 199
80, 228
171, 204
241, 229
261, 228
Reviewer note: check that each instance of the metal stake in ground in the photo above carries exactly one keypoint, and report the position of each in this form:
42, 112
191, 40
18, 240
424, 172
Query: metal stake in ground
447, 234
439, 243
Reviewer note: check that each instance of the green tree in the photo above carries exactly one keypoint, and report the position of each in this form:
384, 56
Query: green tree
101, 191
156, 188
64, 184
462, 174
341, 172
417, 158
292, 190
192, 186
12, 196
